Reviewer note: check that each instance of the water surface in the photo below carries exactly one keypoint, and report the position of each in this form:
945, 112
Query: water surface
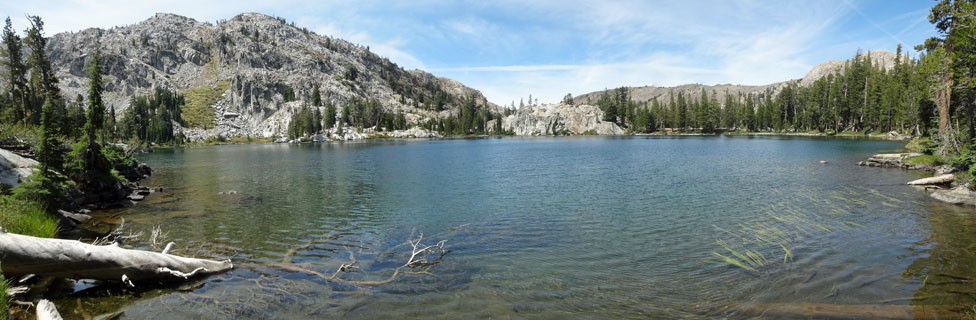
585, 227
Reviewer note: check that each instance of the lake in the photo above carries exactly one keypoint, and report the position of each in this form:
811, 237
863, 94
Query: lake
575, 227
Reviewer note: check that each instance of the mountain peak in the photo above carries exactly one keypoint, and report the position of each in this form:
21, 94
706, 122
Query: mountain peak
262, 68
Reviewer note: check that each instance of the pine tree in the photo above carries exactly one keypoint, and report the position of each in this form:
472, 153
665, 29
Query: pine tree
16, 75
330, 115
43, 82
93, 158
316, 97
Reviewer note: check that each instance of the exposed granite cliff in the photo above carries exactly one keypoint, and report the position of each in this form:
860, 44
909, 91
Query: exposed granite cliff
557, 119
260, 60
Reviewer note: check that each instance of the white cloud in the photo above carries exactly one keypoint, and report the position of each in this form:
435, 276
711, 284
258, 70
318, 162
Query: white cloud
510, 48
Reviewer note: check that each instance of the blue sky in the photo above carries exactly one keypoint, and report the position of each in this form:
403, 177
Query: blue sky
511, 49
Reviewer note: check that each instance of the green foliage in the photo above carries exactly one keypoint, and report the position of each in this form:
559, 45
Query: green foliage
17, 133
305, 122
26, 217
18, 107
151, 118
316, 96
920, 145
330, 116
198, 112
48, 190
4, 299
926, 159
117, 158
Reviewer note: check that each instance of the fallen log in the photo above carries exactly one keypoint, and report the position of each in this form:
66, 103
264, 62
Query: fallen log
21, 254
943, 179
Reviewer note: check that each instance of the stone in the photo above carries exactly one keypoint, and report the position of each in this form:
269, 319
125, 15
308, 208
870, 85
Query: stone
76, 217
960, 195
14, 168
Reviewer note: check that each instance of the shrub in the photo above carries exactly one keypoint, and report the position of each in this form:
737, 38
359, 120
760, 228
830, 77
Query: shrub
48, 192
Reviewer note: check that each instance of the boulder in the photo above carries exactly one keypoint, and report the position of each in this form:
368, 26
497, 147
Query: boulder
959, 195
13, 168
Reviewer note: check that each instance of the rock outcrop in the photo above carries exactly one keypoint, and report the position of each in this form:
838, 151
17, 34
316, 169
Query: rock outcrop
558, 119
13, 168
894, 160
263, 70
960, 195
882, 58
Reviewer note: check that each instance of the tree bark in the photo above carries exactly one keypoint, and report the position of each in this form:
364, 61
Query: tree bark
21, 254
943, 179
945, 95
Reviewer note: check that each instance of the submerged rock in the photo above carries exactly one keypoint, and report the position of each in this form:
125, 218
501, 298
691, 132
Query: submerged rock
960, 195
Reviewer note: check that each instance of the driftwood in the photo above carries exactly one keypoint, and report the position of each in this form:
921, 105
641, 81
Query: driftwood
943, 179
418, 259
21, 254
850, 311
47, 311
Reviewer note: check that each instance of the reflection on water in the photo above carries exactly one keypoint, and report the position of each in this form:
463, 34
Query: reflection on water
548, 227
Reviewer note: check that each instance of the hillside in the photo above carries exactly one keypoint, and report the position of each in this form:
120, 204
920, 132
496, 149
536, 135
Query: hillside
878, 57
251, 73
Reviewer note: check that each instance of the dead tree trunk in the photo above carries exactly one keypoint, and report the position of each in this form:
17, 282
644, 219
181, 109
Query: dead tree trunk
21, 254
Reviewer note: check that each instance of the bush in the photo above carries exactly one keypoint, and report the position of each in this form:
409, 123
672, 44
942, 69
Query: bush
117, 158
48, 193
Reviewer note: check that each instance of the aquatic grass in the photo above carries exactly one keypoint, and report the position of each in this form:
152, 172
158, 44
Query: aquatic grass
748, 244
787, 253
735, 262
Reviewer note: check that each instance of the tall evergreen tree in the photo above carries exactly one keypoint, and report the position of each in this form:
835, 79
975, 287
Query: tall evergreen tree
43, 82
16, 75
96, 111
316, 96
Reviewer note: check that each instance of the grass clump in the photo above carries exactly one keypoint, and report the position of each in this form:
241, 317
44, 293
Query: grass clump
926, 159
26, 217
4, 299
198, 112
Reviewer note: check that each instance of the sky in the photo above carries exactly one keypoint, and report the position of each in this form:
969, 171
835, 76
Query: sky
547, 48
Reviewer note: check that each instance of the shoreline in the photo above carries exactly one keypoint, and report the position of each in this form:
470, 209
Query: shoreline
885, 137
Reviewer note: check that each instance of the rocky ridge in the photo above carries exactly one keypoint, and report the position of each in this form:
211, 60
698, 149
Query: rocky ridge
259, 59
693, 91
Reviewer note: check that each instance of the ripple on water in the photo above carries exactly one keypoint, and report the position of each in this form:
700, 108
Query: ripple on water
553, 228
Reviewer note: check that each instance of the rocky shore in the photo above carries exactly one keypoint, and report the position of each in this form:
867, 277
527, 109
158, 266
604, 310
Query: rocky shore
942, 186
15, 169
